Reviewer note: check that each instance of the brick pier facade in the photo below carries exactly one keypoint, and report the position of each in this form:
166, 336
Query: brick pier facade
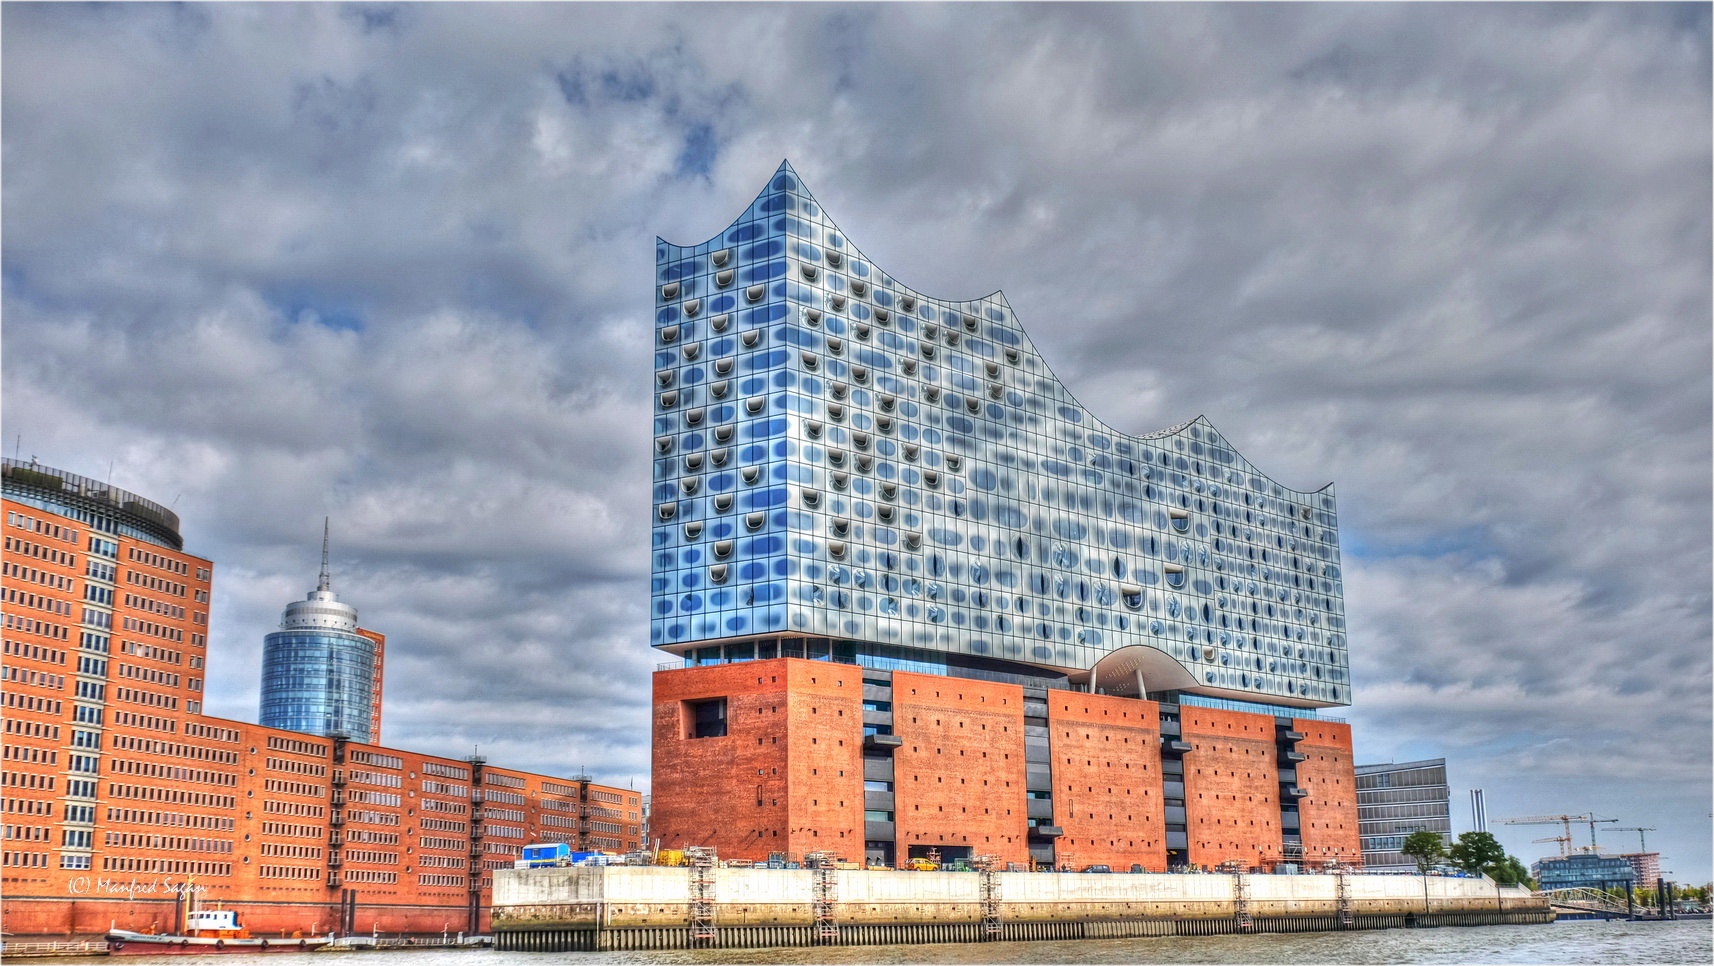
1049, 777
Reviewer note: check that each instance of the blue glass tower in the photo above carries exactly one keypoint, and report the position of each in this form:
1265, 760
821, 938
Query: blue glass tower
318, 673
847, 468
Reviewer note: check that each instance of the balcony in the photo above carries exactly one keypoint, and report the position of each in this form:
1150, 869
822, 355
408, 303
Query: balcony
333, 880
336, 819
1175, 746
882, 742
1292, 791
335, 840
1046, 831
1293, 756
1288, 737
334, 860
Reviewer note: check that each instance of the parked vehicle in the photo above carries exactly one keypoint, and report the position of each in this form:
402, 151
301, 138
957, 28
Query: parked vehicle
1098, 868
544, 855
920, 864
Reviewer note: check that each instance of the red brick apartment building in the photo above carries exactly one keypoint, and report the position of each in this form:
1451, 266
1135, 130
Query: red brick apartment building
119, 792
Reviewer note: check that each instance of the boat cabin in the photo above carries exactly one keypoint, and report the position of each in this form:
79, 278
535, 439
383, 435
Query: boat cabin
212, 920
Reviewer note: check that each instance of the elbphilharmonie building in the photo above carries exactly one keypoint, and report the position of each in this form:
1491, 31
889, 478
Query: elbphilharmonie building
843, 461
849, 470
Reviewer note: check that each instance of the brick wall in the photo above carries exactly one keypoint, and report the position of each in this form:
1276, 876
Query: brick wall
1231, 787
731, 792
1107, 781
794, 742
959, 777
786, 777
825, 758
1329, 814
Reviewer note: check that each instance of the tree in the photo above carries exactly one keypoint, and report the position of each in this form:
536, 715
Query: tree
1477, 852
1426, 848
1511, 871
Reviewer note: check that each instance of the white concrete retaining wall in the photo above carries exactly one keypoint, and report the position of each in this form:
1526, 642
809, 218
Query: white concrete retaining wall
627, 896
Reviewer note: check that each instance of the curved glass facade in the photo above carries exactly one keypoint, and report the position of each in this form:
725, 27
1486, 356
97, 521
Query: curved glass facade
841, 458
318, 681
318, 673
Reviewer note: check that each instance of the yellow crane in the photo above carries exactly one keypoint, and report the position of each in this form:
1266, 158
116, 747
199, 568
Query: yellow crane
1565, 839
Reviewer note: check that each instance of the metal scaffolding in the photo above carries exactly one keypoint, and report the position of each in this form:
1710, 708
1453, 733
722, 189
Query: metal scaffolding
1346, 917
985, 865
826, 895
702, 862
1241, 902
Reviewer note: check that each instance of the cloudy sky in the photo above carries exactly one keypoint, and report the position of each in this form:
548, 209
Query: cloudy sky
393, 264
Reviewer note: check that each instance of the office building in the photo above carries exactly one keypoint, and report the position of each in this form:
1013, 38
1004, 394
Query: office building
1583, 870
926, 601
1396, 799
320, 673
115, 776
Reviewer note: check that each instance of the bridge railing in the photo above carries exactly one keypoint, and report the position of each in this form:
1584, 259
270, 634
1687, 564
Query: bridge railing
1582, 899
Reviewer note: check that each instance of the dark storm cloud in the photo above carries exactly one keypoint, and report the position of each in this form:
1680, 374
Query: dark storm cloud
386, 262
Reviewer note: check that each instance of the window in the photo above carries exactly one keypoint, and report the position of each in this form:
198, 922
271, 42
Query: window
707, 718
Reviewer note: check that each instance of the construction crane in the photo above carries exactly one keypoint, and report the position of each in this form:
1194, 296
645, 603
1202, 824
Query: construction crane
1564, 843
1642, 839
1564, 839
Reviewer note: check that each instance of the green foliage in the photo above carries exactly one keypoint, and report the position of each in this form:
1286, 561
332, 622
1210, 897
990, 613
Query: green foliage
1426, 848
1510, 871
1476, 852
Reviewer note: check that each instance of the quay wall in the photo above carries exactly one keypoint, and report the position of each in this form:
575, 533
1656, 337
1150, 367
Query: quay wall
650, 908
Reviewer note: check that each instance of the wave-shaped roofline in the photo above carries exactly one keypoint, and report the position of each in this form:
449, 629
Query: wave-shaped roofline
998, 295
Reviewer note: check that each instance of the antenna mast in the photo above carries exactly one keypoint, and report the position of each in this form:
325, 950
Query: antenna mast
326, 582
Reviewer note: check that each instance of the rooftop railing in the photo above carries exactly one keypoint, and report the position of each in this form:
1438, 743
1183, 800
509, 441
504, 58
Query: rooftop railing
47, 478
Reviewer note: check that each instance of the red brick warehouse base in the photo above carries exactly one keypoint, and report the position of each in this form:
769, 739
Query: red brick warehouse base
771, 756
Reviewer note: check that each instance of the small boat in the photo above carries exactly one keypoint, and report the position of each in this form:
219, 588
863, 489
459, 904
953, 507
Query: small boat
206, 931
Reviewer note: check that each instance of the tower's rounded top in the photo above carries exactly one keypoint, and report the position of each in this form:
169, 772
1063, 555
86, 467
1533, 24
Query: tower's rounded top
321, 610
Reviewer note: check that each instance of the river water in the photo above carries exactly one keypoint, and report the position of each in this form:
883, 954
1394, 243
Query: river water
1685, 941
